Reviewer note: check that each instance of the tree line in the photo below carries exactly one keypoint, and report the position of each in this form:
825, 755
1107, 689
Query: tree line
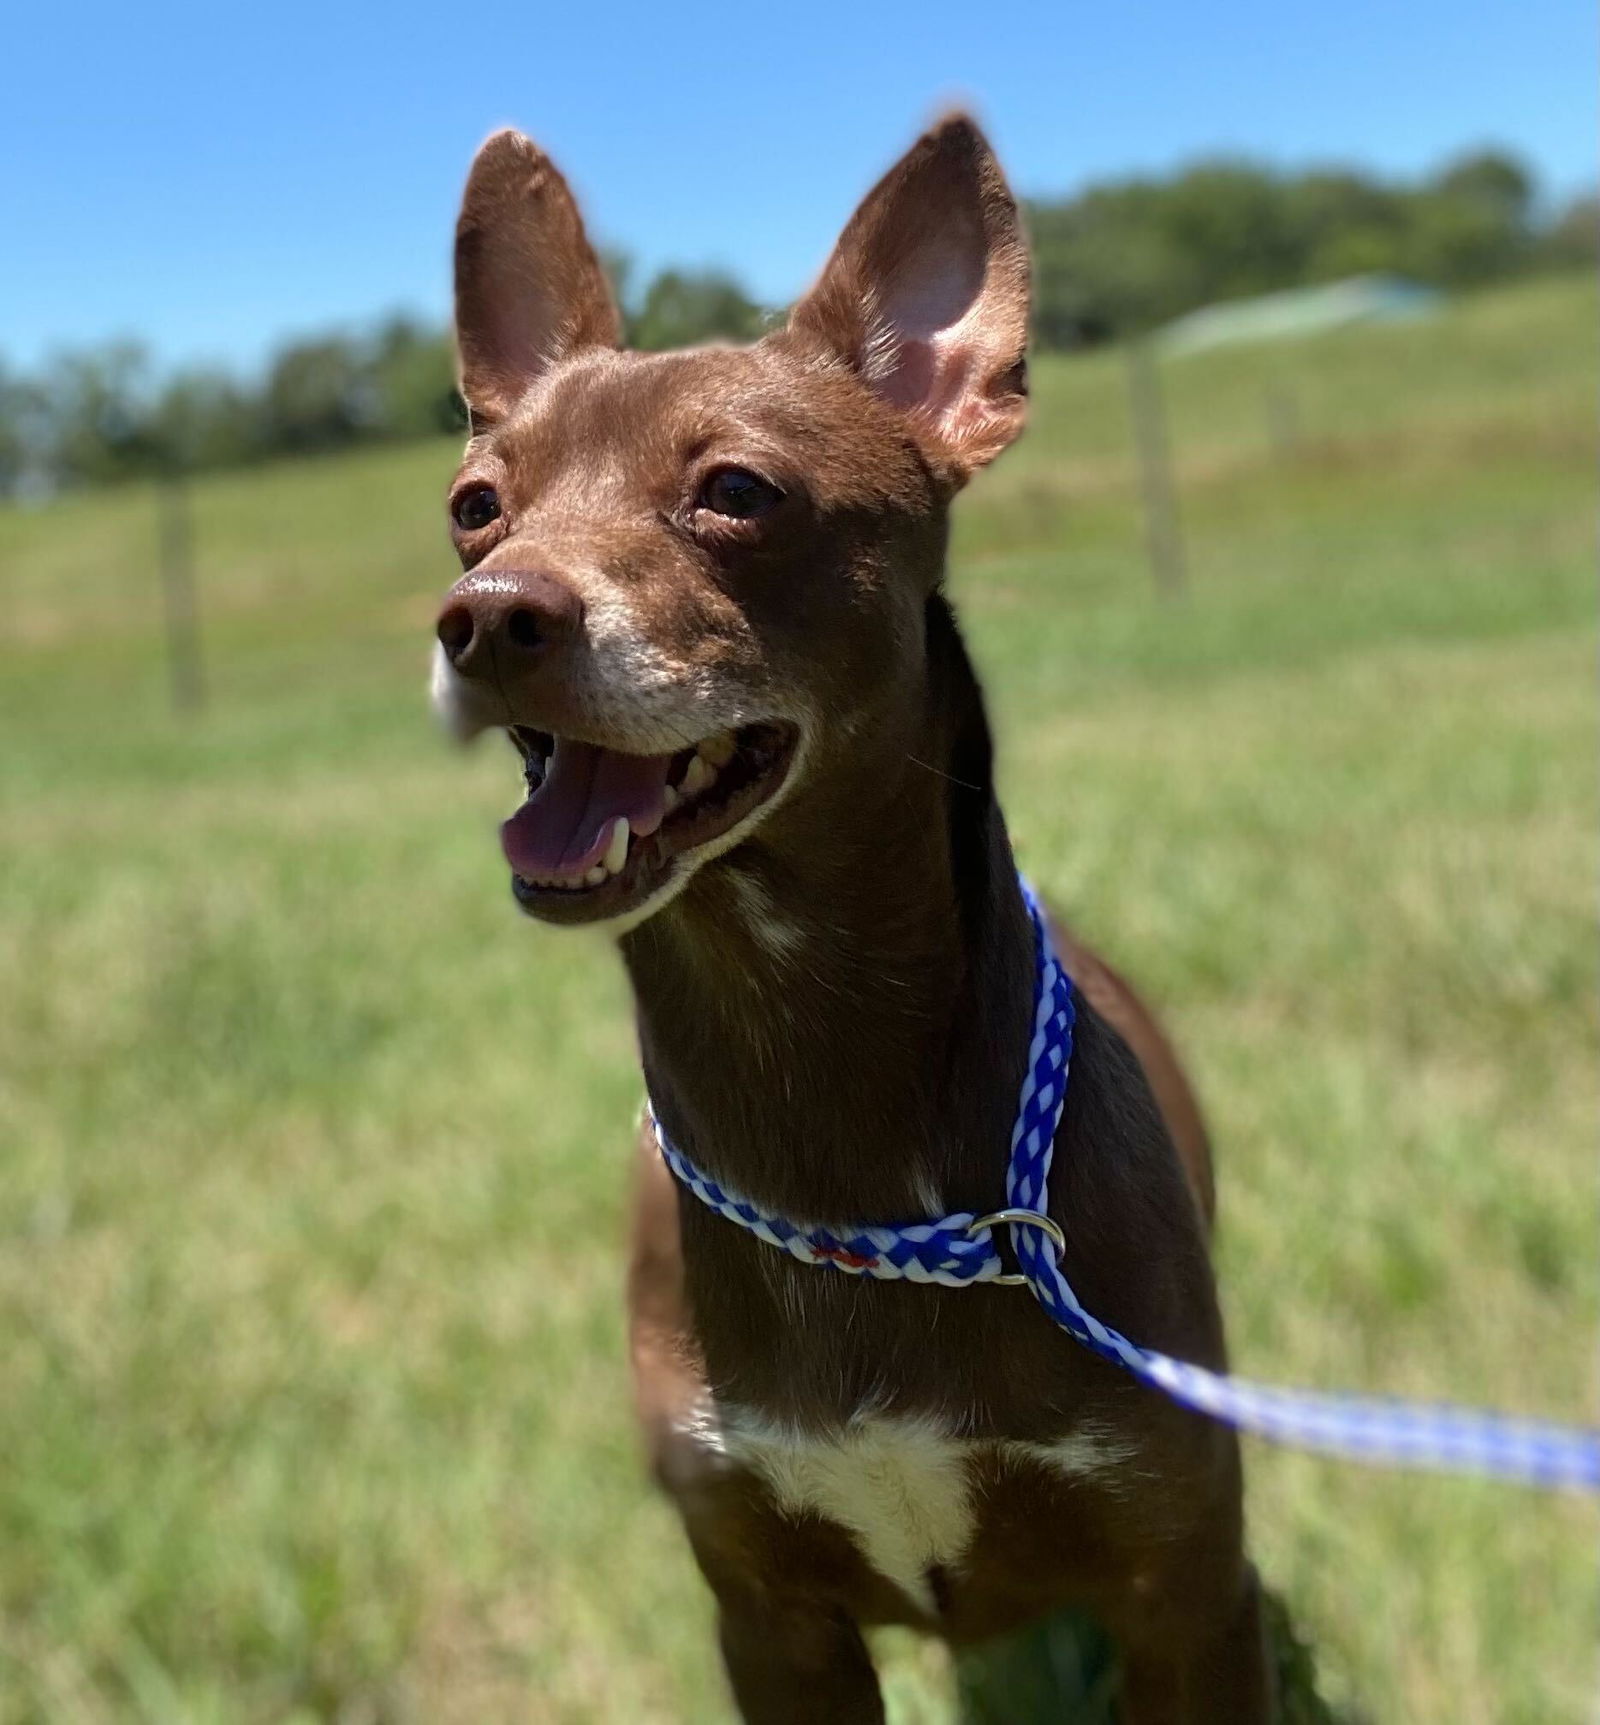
1115, 259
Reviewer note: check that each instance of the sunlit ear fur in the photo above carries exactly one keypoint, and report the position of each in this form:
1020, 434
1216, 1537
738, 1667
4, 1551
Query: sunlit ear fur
529, 288
926, 297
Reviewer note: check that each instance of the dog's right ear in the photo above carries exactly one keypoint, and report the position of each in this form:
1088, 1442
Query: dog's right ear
926, 297
529, 288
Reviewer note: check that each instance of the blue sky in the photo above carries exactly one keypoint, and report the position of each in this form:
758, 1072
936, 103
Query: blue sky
214, 178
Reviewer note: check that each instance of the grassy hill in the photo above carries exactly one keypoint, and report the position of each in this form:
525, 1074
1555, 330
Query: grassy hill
313, 1405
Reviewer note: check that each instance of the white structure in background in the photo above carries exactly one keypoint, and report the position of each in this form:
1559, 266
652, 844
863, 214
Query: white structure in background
1300, 311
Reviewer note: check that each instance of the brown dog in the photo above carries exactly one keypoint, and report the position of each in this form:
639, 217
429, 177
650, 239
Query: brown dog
703, 594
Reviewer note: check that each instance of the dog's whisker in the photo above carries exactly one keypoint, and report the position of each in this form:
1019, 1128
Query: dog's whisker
939, 772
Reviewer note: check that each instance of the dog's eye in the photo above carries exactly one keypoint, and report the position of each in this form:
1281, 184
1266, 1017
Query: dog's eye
733, 491
476, 508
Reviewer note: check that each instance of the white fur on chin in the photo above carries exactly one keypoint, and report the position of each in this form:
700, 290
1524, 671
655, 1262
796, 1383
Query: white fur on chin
447, 696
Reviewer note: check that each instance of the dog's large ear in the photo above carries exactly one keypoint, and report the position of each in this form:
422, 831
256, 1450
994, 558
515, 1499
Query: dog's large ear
926, 296
529, 288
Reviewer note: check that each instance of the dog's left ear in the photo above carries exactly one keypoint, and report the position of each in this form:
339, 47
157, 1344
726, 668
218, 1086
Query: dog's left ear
926, 297
529, 288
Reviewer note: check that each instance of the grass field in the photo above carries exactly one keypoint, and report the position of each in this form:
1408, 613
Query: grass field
313, 1405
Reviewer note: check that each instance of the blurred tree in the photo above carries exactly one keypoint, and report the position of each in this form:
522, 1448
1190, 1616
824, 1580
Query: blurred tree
1104, 264
97, 423
1121, 258
413, 381
1572, 238
318, 395
1235, 222
682, 307
1470, 224
203, 418
1496, 182
24, 434
1346, 224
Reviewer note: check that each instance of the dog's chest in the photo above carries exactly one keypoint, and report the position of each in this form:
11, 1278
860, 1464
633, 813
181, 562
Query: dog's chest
906, 1491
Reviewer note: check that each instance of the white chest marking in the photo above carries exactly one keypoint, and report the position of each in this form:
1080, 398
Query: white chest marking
901, 1488
898, 1487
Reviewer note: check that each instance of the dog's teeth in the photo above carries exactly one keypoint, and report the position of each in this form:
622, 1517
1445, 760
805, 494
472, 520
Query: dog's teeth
719, 749
699, 776
670, 798
595, 875
617, 851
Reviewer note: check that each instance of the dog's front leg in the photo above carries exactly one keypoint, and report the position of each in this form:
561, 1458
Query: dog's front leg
1221, 1677
797, 1664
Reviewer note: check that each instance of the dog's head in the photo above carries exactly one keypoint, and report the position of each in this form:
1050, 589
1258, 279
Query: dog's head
696, 582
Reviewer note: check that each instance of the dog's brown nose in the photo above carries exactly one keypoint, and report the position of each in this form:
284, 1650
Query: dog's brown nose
498, 622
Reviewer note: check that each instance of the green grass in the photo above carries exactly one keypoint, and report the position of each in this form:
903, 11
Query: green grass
313, 1403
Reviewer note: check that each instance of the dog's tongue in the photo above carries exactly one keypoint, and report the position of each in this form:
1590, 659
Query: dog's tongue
564, 827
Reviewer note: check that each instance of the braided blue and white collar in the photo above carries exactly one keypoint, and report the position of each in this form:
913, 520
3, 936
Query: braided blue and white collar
960, 1250
956, 1249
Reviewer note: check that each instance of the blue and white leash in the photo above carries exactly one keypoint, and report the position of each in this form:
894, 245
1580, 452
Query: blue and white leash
959, 1250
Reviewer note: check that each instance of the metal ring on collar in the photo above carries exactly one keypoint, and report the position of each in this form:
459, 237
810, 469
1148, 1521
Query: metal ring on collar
1020, 1218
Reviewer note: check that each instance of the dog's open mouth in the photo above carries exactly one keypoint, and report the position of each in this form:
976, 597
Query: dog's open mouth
599, 830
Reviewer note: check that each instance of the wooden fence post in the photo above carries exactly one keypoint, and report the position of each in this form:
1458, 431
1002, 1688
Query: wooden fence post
186, 675
1283, 419
1163, 530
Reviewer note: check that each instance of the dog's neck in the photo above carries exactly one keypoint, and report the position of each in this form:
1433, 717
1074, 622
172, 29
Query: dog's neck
835, 1028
